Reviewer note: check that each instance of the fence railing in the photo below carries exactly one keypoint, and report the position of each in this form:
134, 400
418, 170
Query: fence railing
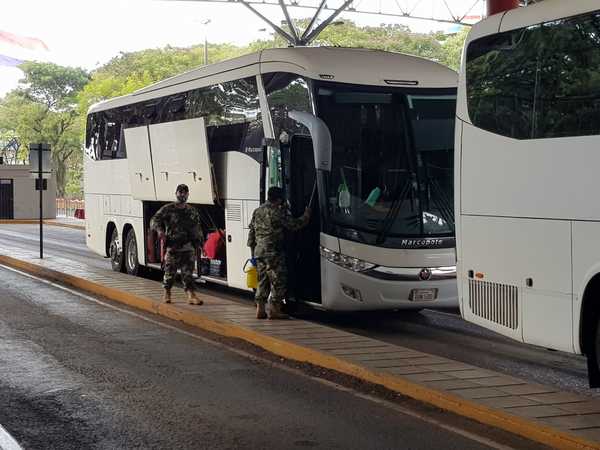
66, 207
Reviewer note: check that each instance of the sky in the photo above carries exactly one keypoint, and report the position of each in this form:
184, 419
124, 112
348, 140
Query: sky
88, 33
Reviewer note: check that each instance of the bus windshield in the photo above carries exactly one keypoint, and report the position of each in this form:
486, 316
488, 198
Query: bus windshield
392, 162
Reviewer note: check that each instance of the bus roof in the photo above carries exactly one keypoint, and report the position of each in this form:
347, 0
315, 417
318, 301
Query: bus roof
344, 65
546, 11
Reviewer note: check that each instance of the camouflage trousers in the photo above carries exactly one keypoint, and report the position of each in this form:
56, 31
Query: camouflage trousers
183, 260
272, 279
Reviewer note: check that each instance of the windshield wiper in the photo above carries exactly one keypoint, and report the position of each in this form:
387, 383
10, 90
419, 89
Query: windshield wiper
443, 202
395, 208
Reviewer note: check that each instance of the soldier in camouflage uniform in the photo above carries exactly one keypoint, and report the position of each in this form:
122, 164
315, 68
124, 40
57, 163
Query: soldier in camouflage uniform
180, 224
269, 222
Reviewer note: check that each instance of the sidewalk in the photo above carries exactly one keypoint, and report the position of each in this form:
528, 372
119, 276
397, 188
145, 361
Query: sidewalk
69, 222
60, 220
541, 413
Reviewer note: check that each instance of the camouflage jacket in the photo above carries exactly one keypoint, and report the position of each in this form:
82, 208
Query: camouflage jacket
267, 229
181, 226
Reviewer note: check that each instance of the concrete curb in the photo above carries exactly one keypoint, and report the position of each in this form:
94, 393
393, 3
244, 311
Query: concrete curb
449, 402
50, 222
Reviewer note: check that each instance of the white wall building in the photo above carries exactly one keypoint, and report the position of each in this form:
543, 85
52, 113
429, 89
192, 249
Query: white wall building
18, 197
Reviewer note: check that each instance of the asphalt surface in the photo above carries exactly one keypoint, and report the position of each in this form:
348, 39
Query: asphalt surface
78, 374
441, 333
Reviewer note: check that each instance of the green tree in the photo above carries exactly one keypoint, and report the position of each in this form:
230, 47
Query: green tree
44, 109
131, 71
452, 48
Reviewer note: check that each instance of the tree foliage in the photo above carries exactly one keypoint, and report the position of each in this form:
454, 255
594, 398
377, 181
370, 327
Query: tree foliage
44, 109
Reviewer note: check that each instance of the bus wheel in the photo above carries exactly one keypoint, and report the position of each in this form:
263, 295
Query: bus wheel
132, 264
116, 252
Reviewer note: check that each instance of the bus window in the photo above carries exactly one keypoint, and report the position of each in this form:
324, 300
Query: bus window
285, 92
537, 82
234, 123
391, 177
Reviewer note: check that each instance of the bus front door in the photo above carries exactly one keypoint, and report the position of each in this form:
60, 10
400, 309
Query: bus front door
303, 245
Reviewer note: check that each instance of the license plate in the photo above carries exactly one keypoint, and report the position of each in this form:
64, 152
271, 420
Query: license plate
423, 295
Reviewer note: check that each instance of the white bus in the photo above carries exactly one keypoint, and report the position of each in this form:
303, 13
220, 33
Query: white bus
527, 176
374, 131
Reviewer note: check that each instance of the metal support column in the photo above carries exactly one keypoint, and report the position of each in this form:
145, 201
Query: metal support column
41, 186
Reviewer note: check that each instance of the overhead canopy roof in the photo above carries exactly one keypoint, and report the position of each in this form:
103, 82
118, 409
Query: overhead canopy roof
324, 12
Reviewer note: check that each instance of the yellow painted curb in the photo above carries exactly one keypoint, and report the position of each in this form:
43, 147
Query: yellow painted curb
50, 222
18, 221
444, 400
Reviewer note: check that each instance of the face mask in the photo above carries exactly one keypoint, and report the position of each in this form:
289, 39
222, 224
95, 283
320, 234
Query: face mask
182, 197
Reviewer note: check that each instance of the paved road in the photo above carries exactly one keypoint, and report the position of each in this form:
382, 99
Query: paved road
68, 242
441, 333
78, 374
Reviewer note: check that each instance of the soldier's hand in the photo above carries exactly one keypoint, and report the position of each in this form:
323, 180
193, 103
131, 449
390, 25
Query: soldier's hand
307, 212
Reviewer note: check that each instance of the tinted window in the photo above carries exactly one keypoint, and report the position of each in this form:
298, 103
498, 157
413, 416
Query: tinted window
568, 88
286, 92
232, 114
231, 102
91, 136
392, 162
501, 72
538, 82
231, 111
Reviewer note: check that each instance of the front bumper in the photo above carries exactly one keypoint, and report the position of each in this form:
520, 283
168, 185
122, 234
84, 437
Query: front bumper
346, 290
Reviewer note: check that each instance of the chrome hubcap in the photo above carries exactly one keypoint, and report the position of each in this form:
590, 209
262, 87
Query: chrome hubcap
132, 254
114, 250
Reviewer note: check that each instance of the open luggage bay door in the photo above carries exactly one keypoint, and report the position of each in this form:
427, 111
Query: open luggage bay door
180, 155
139, 160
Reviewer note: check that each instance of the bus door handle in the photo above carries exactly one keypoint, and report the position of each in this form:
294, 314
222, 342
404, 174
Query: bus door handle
166, 175
193, 173
140, 174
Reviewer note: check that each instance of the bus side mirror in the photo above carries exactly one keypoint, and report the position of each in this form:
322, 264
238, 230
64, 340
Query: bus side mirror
320, 135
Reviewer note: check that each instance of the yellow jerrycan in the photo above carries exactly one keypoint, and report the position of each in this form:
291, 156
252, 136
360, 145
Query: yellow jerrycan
251, 274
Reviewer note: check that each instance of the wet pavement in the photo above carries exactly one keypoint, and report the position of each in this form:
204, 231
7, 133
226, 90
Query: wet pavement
442, 333
77, 374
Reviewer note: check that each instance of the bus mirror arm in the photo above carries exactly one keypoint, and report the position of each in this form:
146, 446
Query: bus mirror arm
321, 137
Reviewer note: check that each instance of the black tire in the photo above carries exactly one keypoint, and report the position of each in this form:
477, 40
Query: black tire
115, 252
130, 255
593, 358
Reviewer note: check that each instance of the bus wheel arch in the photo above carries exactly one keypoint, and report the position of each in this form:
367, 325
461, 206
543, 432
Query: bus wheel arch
590, 329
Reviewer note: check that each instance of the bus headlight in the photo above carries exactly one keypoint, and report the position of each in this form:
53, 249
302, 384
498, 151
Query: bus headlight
347, 262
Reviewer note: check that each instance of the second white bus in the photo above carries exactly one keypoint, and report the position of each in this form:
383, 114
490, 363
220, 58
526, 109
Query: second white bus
527, 165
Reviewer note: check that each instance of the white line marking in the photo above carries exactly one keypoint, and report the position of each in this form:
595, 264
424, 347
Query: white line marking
453, 429
7, 442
